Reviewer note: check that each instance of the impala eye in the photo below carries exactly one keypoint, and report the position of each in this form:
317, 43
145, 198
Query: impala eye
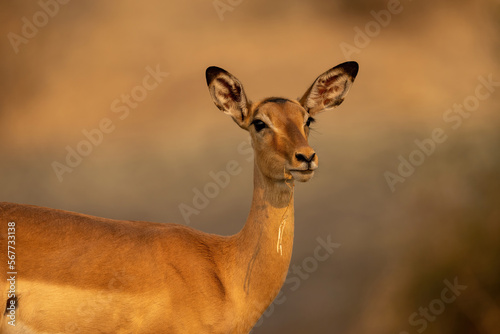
309, 121
259, 125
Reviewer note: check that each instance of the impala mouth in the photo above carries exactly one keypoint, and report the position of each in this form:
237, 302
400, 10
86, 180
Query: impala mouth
305, 171
302, 175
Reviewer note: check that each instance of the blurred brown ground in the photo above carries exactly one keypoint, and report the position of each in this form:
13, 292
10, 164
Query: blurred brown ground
397, 247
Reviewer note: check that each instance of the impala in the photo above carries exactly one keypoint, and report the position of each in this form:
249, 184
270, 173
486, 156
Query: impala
74, 273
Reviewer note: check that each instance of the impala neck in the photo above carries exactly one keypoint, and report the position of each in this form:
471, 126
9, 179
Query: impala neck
265, 242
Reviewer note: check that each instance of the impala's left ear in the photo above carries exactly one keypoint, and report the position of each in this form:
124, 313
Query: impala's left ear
330, 88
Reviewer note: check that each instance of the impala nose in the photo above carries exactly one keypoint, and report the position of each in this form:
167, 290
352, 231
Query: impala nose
305, 157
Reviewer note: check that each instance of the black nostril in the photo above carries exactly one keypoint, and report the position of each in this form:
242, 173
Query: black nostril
302, 157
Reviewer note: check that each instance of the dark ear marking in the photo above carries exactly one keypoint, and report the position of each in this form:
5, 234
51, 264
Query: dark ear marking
212, 72
233, 92
227, 94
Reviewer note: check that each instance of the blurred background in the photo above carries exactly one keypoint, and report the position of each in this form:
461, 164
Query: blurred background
409, 224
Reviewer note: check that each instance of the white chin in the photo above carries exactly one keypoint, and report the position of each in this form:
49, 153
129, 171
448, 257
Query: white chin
302, 176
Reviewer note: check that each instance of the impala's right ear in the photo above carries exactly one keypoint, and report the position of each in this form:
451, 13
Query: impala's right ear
228, 94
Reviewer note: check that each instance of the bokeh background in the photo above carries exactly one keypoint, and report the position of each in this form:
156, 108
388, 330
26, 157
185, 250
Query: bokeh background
397, 246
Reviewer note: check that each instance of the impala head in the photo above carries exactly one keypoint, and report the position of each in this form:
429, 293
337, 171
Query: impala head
279, 127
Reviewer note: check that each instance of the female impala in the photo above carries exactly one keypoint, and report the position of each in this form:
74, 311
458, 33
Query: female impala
75, 273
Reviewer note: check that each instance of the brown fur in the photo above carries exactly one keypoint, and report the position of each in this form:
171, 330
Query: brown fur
83, 274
